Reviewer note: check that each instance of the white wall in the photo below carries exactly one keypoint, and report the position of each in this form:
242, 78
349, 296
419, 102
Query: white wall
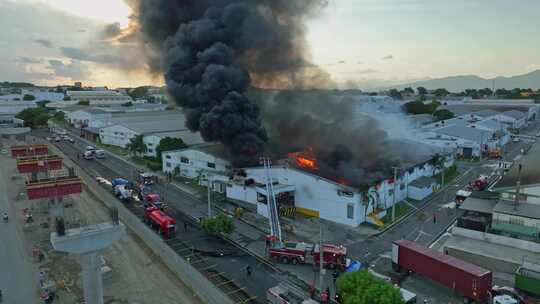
14, 107
420, 193
197, 163
497, 239
311, 192
116, 135
151, 142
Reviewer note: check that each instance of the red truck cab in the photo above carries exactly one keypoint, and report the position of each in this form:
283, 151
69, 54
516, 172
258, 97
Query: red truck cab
157, 219
334, 256
152, 199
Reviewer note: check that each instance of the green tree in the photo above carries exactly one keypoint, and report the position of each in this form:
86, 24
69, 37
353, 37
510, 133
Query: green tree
217, 225
59, 116
138, 92
168, 144
441, 92
136, 145
443, 114
415, 107
422, 90
29, 97
408, 90
34, 117
84, 103
395, 94
362, 287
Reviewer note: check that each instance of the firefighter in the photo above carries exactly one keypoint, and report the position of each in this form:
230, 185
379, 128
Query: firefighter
248, 270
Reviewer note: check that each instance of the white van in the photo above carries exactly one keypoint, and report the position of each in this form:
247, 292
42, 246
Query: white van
88, 155
99, 153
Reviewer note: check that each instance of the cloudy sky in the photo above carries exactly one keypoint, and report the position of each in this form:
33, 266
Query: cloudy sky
367, 43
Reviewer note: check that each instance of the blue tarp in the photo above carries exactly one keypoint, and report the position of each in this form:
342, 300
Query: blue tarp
354, 266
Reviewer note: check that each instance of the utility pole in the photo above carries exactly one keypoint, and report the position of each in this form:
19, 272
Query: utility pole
321, 258
209, 197
394, 196
518, 186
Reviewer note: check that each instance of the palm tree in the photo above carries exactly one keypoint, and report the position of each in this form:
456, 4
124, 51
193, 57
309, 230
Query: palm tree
438, 164
136, 145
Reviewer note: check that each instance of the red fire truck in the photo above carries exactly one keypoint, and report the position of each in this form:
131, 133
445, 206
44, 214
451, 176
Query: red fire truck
334, 256
479, 185
159, 220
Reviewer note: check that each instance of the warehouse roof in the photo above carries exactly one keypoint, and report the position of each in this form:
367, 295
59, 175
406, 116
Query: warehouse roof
485, 113
423, 182
94, 111
514, 114
478, 205
154, 126
523, 209
530, 172
188, 137
465, 132
491, 124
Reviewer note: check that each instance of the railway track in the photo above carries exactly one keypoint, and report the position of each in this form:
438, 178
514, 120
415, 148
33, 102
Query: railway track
183, 248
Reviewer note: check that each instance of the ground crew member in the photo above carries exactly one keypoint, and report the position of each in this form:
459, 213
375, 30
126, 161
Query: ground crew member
248, 271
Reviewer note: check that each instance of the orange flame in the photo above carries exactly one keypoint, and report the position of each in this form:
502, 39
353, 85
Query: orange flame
304, 159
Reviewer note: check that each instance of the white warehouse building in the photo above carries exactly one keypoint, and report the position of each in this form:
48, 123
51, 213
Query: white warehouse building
316, 196
200, 163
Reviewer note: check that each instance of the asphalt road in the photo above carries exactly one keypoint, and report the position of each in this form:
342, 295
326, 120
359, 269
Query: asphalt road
17, 278
232, 265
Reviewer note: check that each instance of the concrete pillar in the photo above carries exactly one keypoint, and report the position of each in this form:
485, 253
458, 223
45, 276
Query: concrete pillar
92, 282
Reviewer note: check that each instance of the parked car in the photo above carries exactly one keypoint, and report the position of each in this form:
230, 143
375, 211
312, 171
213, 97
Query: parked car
67, 138
99, 153
57, 138
49, 138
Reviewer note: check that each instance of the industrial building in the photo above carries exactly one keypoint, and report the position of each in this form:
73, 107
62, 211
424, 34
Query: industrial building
154, 126
82, 118
11, 127
313, 195
99, 97
202, 163
15, 106
514, 119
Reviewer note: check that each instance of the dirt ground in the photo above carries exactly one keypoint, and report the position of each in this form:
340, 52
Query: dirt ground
137, 276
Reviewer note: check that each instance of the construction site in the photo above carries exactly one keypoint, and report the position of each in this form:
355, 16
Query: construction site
47, 198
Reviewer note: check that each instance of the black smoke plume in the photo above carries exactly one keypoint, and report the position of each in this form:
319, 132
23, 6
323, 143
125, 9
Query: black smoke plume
212, 51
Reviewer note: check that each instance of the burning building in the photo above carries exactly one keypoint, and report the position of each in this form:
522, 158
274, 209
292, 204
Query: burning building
298, 185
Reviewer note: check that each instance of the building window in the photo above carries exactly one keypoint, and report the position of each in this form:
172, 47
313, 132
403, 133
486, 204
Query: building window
184, 160
150, 150
150, 144
115, 133
211, 165
168, 164
350, 211
167, 156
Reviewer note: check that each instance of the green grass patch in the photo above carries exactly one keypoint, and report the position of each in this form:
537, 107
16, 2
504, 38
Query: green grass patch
402, 208
114, 149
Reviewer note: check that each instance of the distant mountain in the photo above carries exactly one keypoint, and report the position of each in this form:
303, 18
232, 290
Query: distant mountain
461, 83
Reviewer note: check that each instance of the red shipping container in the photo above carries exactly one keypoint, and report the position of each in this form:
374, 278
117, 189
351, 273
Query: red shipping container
53, 188
31, 150
467, 280
34, 164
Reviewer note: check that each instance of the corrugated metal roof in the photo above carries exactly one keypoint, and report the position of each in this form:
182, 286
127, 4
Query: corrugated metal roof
478, 205
485, 113
447, 259
188, 137
522, 209
514, 114
465, 132
154, 126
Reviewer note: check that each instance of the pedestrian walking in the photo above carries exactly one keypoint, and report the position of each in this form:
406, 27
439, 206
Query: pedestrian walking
248, 271
185, 226
434, 218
